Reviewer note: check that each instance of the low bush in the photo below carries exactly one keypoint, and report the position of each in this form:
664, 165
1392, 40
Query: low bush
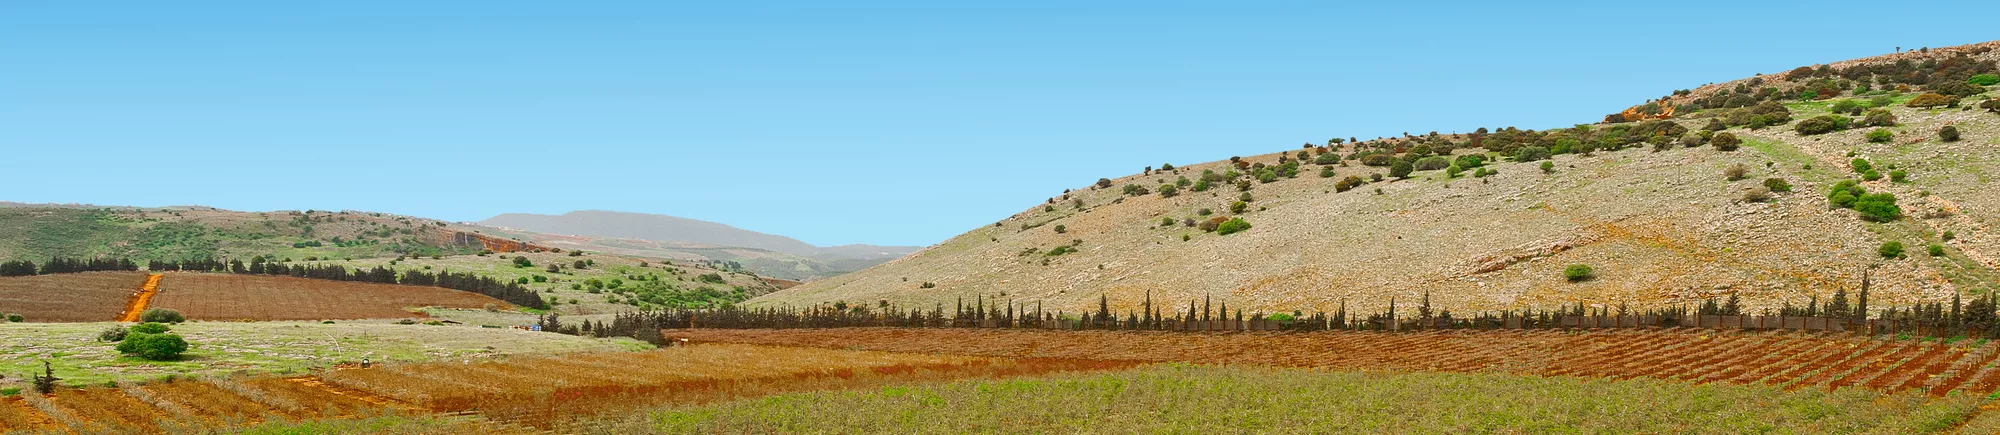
1860, 165
1984, 79
1878, 118
1822, 124
1948, 133
1898, 176
149, 328
1212, 224
1238, 207
1232, 226
1432, 163
1878, 207
1347, 184
1578, 272
1777, 185
1735, 172
1936, 250
1326, 171
523, 262
1548, 167
1725, 141
1756, 194
1844, 194
1890, 249
1871, 175
1400, 169
1881, 135
1531, 153
1930, 100
156, 347
115, 333
161, 315
1136, 190
1169, 190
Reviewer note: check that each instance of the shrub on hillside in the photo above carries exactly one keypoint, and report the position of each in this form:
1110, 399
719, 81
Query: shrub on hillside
1878, 118
1890, 249
149, 328
1823, 124
1326, 172
115, 333
1400, 169
1327, 159
1060, 229
1735, 172
1578, 272
1898, 176
1432, 163
1991, 105
1948, 133
161, 315
1169, 190
1725, 141
1881, 135
1212, 224
1850, 107
1878, 207
1756, 194
1232, 226
1347, 184
522, 262
1871, 175
1844, 194
156, 347
1860, 165
1136, 190
1548, 167
1104, 183
1777, 185
1984, 79
1936, 250
1931, 100
1238, 207
1531, 153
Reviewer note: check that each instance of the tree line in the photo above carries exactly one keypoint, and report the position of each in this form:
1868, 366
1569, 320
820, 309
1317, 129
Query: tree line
508, 291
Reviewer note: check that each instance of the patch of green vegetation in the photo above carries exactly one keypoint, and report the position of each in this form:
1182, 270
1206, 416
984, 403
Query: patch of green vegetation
1179, 398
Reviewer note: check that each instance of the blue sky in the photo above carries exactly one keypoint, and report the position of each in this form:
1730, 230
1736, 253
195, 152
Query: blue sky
832, 122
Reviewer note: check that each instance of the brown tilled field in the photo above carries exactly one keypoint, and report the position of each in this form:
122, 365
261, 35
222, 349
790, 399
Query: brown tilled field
73, 297
516, 394
251, 297
1791, 360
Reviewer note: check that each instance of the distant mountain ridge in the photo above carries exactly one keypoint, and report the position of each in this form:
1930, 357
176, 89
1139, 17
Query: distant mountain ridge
603, 225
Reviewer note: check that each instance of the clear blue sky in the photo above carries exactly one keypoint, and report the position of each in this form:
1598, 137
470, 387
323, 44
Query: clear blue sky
832, 122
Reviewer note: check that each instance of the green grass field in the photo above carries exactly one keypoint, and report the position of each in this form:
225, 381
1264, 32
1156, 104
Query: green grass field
1203, 399
268, 348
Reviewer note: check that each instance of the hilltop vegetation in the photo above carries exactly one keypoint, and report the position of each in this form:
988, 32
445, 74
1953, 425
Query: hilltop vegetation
1769, 188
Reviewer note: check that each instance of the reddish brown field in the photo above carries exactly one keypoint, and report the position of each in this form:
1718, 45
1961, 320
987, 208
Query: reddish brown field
524, 394
69, 297
250, 297
1792, 360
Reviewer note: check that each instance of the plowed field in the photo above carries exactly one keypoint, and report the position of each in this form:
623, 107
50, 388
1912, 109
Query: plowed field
252, 297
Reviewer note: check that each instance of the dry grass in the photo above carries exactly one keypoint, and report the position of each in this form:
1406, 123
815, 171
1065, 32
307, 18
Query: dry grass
250, 297
73, 297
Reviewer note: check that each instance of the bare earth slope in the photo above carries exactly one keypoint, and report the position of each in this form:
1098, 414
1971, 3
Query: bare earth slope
1659, 227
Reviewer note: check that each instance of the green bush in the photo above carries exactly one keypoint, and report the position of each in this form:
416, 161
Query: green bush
1850, 107
115, 333
1169, 190
156, 347
1470, 161
1777, 185
1984, 79
1878, 118
1860, 165
1725, 141
1881, 135
1232, 226
1578, 272
1531, 153
1845, 193
1878, 207
1948, 133
522, 261
149, 328
1936, 250
15, 318
1453, 171
1239, 207
1061, 229
1347, 184
1136, 190
1823, 124
1326, 171
1400, 169
1890, 249
1898, 176
1871, 175
1548, 167
161, 315
1432, 163
1327, 159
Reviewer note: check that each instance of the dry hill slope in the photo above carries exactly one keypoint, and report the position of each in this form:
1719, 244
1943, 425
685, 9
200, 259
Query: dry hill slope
1658, 220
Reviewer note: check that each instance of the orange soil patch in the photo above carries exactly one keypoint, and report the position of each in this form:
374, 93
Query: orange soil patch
1779, 358
69, 297
15, 415
139, 300
254, 297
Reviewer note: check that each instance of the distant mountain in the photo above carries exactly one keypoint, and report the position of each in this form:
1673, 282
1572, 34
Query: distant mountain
622, 231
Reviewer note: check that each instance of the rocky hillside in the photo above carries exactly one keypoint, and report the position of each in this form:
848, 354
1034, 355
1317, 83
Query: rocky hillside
1711, 192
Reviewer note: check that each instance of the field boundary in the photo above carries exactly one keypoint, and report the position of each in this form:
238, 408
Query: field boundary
140, 299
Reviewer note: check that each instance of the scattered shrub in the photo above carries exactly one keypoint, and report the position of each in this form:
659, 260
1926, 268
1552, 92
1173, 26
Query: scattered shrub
1578, 272
1871, 175
1400, 169
1531, 153
522, 261
1881, 135
1984, 79
1232, 226
115, 333
1860, 165
1238, 207
1061, 229
1548, 167
1347, 184
1823, 124
1169, 190
161, 315
1930, 100
1756, 194
1735, 172
1136, 190
1878, 207
1432, 163
1936, 250
1844, 194
1948, 133
1777, 185
1725, 141
1898, 176
1890, 249
15, 318
1326, 171
1212, 224
1104, 183
156, 347
149, 328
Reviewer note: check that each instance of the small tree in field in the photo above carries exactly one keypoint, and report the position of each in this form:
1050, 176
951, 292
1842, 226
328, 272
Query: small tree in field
1578, 273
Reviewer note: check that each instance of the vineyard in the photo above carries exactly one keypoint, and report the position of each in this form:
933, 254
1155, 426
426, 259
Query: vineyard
517, 393
1786, 359
75, 297
250, 297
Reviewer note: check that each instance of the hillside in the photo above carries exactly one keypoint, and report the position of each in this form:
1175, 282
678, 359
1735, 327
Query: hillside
675, 237
1648, 205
